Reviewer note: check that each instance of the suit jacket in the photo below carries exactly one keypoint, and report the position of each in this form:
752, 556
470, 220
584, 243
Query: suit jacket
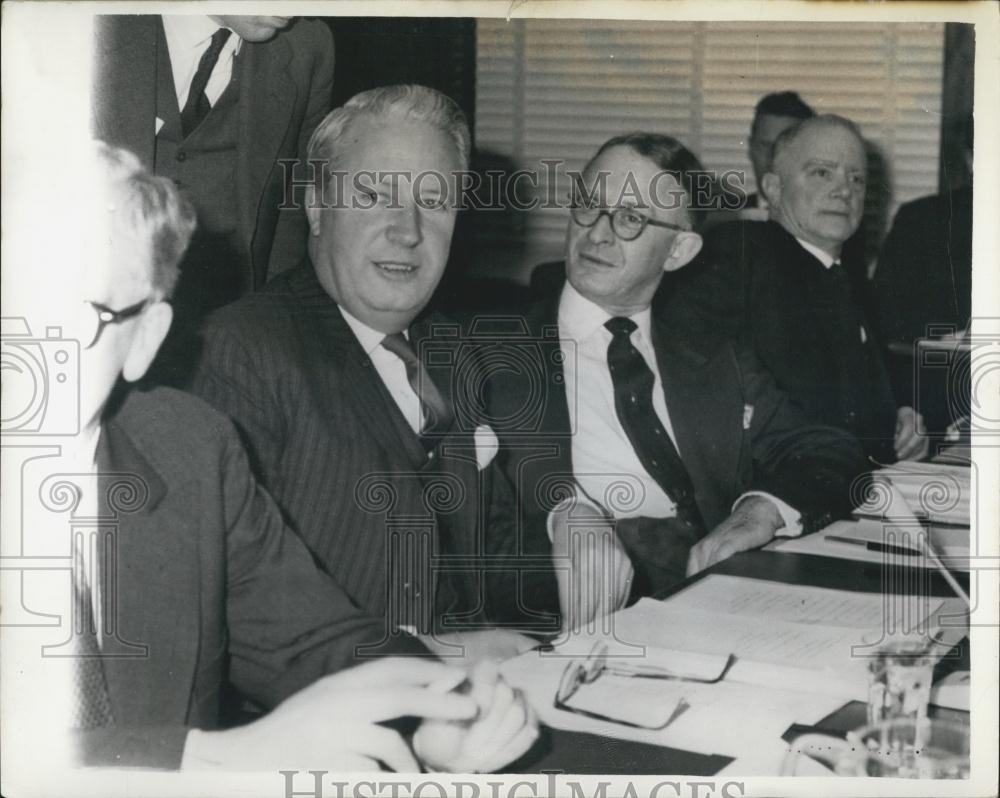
350, 475
708, 384
289, 82
757, 283
209, 579
924, 280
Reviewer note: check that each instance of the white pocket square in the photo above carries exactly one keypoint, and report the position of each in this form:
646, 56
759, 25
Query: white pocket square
487, 445
747, 416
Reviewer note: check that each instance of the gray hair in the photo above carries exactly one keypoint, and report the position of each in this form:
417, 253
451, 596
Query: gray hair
392, 102
147, 204
788, 137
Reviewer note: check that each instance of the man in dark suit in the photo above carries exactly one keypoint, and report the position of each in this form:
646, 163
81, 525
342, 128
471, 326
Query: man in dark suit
923, 288
214, 103
773, 115
782, 287
346, 392
679, 443
195, 578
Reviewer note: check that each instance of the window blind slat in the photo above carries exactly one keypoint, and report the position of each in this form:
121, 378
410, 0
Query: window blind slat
559, 88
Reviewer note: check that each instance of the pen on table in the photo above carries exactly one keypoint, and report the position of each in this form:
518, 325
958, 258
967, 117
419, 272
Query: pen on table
873, 545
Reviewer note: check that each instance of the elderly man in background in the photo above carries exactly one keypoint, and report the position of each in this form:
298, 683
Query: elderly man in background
772, 116
343, 384
675, 444
781, 286
198, 581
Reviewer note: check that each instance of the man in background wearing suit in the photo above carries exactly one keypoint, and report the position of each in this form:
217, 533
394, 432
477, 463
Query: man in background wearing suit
680, 443
214, 103
772, 116
343, 388
923, 288
781, 287
198, 579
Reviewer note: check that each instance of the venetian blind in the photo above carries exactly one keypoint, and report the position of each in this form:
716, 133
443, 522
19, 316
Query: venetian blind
559, 88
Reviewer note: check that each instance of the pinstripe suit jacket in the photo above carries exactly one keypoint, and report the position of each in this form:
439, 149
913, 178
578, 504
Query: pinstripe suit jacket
400, 531
204, 568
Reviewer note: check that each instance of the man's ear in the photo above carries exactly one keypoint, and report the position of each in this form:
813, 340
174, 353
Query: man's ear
151, 329
686, 245
770, 185
312, 209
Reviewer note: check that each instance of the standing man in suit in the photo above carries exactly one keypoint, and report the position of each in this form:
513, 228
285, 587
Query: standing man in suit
192, 577
215, 103
679, 443
781, 286
341, 383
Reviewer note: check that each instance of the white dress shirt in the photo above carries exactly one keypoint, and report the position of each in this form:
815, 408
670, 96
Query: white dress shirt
605, 465
390, 368
188, 38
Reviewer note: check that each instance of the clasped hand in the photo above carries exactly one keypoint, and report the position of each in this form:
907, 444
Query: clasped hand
336, 723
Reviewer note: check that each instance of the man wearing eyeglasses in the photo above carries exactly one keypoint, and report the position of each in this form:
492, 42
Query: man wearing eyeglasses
191, 580
673, 449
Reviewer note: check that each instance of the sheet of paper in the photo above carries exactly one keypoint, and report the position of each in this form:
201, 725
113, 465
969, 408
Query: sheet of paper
715, 721
790, 636
951, 543
937, 491
767, 601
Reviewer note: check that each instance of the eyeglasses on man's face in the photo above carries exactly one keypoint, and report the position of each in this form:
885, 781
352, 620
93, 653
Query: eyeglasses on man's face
627, 223
94, 317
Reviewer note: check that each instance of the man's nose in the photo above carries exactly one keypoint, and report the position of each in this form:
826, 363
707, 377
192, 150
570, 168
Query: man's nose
841, 185
405, 227
601, 232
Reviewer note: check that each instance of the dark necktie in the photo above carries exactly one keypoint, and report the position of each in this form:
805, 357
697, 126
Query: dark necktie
847, 324
633, 382
437, 412
197, 106
91, 705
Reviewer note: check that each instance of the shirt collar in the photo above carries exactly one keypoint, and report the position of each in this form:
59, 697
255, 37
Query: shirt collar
821, 255
369, 339
192, 32
580, 318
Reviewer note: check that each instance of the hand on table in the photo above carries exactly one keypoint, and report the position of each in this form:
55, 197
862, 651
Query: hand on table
505, 728
335, 722
593, 570
752, 524
910, 441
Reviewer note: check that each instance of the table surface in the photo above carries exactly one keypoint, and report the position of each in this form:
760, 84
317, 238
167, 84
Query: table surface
581, 745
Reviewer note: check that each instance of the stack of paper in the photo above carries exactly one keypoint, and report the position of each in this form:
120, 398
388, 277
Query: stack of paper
938, 492
790, 636
885, 542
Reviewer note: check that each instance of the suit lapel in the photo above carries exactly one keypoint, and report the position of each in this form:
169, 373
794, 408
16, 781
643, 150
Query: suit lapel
340, 367
694, 395
556, 414
156, 578
267, 99
125, 76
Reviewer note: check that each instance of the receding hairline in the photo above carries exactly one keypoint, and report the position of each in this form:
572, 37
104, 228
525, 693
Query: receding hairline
788, 138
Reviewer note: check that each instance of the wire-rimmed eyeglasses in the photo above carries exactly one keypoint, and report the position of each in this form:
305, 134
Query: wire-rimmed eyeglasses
95, 317
627, 223
582, 672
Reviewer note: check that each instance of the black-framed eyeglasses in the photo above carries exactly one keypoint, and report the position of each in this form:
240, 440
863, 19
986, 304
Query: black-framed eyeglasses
582, 672
627, 223
96, 317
